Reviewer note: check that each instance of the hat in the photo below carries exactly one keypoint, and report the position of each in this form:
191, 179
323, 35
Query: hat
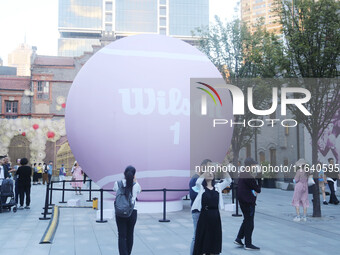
249, 162
301, 162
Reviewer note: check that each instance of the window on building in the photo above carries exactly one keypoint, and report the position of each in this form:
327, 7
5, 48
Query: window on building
162, 2
262, 156
108, 6
108, 17
273, 156
162, 21
162, 31
11, 111
248, 150
108, 27
43, 90
285, 162
162, 11
286, 130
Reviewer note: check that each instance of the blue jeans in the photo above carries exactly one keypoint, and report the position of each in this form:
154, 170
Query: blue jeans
195, 216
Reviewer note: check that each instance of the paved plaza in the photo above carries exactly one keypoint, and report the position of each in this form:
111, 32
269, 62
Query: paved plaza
78, 233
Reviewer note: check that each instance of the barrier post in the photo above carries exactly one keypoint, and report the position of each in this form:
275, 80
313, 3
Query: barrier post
164, 207
101, 208
233, 192
63, 194
51, 189
236, 214
46, 205
90, 199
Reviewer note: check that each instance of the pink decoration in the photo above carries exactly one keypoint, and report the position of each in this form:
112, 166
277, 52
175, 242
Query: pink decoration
50, 134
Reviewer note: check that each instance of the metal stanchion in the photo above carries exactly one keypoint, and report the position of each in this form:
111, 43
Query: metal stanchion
51, 189
63, 194
90, 199
101, 208
186, 197
233, 192
236, 214
164, 207
46, 205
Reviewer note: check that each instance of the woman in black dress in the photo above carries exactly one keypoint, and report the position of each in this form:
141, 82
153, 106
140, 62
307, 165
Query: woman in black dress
208, 239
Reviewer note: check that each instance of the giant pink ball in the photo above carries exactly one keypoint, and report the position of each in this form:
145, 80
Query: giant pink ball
118, 114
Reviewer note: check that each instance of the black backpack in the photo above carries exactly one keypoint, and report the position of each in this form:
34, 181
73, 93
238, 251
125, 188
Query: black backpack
123, 204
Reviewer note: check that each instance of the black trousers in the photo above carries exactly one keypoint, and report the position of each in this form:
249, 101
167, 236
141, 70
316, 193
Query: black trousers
247, 227
125, 233
24, 190
332, 199
16, 192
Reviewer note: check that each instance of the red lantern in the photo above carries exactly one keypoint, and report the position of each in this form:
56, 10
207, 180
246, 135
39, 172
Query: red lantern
23, 133
63, 105
50, 134
35, 126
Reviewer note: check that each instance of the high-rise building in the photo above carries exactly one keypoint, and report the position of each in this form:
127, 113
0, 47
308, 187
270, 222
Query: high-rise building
21, 59
83, 22
253, 11
80, 24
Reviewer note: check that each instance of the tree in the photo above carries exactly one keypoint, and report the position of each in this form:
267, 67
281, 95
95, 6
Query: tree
312, 45
238, 54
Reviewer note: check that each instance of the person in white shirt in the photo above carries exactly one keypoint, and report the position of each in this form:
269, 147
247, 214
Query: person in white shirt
126, 225
209, 201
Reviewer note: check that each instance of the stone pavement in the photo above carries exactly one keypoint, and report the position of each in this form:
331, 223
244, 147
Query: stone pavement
78, 233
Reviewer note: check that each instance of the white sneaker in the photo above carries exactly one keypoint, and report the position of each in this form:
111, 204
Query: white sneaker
297, 219
304, 218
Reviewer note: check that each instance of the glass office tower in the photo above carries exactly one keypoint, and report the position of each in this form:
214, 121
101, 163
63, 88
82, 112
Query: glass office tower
80, 25
82, 22
186, 15
133, 16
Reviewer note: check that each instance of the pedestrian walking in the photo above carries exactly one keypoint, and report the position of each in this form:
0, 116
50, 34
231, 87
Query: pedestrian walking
24, 183
332, 176
126, 209
209, 200
62, 173
7, 166
322, 183
40, 172
45, 174
49, 171
77, 175
193, 191
300, 197
35, 174
15, 178
248, 188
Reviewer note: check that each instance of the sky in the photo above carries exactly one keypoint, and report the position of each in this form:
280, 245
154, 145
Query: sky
36, 23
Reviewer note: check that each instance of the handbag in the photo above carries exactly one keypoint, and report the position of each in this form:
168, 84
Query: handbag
311, 181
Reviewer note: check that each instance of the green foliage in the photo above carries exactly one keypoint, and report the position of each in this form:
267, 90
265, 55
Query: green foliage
238, 55
312, 35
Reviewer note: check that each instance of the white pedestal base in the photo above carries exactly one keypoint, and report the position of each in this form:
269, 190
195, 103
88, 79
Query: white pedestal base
142, 207
73, 202
157, 207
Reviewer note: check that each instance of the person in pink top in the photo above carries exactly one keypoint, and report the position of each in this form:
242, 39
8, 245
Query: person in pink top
77, 174
300, 197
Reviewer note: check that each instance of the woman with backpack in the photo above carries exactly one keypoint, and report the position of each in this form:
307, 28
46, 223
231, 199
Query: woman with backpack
125, 209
